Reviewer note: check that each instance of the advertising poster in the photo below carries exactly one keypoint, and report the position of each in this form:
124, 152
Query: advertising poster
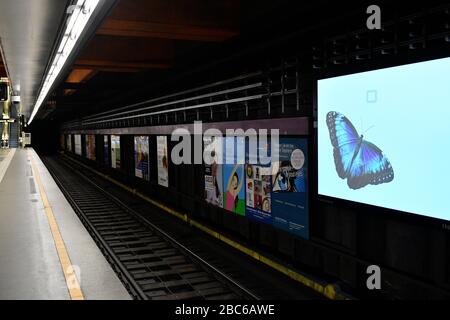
213, 173
290, 188
141, 157
106, 156
373, 150
69, 143
90, 147
163, 161
234, 175
115, 152
259, 188
62, 142
78, 150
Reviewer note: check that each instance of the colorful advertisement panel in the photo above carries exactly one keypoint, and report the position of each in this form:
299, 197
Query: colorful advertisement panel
115, 152
78, 150
141, 157
290, 187
259, 185
163, 161
90, 147
234, 175
213, 172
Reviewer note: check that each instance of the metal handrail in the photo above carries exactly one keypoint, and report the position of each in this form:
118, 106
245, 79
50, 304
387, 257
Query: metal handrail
215, 84
210, 95
198, 106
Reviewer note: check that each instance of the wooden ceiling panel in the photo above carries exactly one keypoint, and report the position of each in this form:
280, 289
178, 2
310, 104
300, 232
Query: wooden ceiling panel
224, 13
143, 35
80, 75
194, 20
122, 54
113, 27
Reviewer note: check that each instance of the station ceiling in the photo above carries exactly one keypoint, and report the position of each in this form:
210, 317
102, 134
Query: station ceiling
28, 30
141, 41
151, 37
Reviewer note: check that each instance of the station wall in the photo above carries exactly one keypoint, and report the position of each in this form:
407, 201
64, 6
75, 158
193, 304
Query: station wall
344, 237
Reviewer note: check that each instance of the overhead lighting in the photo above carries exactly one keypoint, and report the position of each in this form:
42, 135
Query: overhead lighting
79, 18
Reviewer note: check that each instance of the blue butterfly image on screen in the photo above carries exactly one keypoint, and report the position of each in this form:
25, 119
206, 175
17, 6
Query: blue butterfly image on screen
360, 162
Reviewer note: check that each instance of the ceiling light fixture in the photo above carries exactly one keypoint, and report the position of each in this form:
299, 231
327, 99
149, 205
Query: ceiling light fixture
79, 18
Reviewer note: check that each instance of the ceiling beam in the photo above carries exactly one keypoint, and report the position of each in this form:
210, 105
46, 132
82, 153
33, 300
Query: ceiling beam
217, 13
128, 28
74, 86
80, 75
117, 66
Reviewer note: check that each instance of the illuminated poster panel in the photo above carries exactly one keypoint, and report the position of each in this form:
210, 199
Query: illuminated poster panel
115, 152
290, 187
163, 161
90, 147
78, 150
259, 187
106, 151
141, 157
213, 172
62, 142
69, 143
383, 138
234, 175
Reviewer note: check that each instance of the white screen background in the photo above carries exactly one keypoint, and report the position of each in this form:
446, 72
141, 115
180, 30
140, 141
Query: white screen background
409, 109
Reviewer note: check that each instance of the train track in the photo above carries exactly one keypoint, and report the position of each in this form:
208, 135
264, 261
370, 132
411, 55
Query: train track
151, 264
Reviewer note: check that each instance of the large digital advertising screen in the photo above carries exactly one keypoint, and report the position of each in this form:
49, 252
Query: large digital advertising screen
383, 137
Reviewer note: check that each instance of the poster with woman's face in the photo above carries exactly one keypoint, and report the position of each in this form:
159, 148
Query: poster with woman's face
234, 176
213, 173
141, 157
290, 188
163, 161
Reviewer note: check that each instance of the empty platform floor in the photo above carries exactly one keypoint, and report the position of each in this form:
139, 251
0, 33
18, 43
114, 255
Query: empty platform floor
45, 251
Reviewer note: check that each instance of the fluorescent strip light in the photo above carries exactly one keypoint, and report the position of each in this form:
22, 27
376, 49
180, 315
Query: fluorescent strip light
75, 27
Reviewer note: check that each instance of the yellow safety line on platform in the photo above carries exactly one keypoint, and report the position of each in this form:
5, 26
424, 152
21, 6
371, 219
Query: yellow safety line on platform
327, 290
72, 282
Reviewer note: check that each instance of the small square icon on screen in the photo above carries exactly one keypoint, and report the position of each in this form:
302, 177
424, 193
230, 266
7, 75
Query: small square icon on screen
372, 96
